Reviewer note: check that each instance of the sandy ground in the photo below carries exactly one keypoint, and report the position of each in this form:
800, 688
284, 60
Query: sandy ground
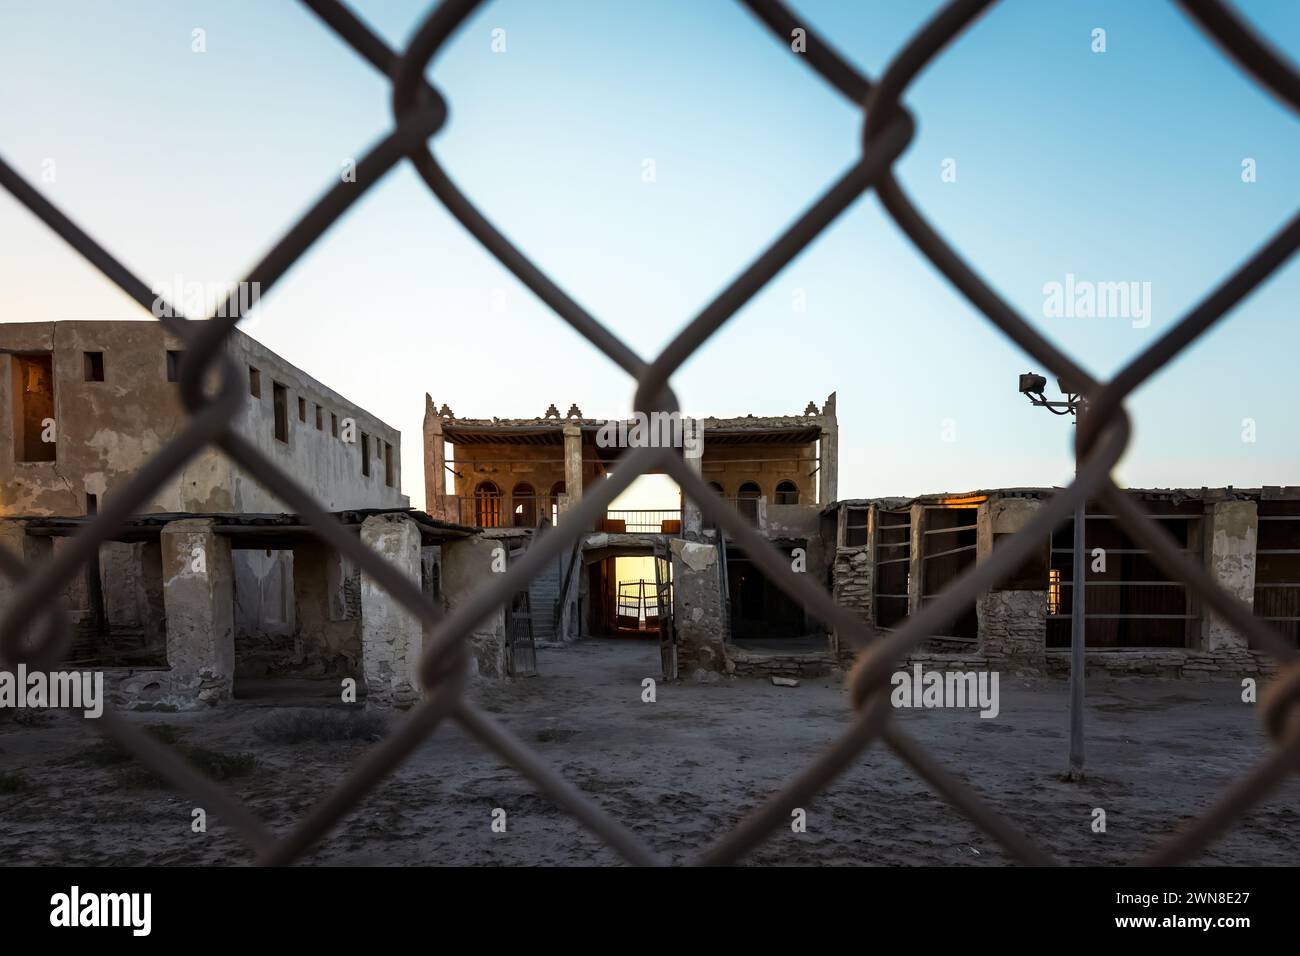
679, 772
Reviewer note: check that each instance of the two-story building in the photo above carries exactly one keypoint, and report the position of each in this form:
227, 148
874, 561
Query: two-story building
90, 402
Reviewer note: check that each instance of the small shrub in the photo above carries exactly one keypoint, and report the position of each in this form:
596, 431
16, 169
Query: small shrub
107, 752
12, 783
320, 726
216, 765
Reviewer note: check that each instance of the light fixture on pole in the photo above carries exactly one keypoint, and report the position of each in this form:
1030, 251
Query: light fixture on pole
1033, 386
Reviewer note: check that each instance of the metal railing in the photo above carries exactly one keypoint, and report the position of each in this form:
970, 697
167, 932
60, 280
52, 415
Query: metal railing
643, 521
36, 629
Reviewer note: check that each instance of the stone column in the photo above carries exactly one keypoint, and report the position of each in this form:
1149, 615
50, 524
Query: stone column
1013, 613
1233, 534
435, 462
916, 567
697, 608
198, 597
572, 466
692, 517
467, 565
392, 639
828, 467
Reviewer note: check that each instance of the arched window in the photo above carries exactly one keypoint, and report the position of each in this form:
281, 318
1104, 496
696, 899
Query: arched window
523, 504
747, 500
787, 493
487, 505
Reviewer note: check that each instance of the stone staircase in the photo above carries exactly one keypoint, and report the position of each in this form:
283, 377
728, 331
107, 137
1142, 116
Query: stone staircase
543, 594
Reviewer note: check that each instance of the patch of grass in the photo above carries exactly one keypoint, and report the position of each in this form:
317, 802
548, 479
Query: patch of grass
167, 733
12, 783
212, 763
107, 752
549, 734
217, 765
320, 726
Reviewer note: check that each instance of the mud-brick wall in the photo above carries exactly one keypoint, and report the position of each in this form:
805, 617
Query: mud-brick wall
1013, 628
1012, 615
853, 581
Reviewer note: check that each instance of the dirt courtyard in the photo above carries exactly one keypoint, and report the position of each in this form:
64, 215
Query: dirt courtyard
679, 772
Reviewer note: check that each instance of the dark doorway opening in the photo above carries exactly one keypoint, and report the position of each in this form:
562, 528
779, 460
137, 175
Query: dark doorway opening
1129, 601
1277, 567
758, 609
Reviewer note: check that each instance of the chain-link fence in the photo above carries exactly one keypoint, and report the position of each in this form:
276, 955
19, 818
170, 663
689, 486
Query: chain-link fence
419, 112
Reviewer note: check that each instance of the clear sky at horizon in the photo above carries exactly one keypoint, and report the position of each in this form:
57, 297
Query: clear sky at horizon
1115, 166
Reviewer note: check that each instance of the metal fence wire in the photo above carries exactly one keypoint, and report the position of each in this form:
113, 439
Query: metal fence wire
37, 630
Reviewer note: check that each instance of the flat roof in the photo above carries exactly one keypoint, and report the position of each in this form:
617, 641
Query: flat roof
1228, 493
260, 530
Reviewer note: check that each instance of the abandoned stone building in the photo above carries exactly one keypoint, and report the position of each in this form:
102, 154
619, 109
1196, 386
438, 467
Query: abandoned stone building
894, 555
88, 404
214, 591
883, 558
778, 472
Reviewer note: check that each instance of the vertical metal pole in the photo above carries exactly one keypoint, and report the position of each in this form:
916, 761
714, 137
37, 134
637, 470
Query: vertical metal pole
1078, 627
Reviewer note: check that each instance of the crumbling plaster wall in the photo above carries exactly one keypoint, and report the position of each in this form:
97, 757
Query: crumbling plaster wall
1233, 537
264, 592
1012, 618
467, 566
329, 467
697, 607
105, 430
198, 593
853, 576
392, 639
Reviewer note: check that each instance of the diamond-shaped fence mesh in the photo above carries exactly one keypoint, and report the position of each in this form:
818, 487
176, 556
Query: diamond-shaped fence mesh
37, 631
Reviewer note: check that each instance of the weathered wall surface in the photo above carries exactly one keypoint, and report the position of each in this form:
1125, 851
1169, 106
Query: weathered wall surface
466, 567
198, 592
1012, 618
852, 581
391, 638
263, 593
327, 465
106, 430
1013, 629
327, 632
1233, 535
132, 589
697, 608
1172, 662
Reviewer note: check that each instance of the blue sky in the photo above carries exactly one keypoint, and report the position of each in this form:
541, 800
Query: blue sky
1119, 166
